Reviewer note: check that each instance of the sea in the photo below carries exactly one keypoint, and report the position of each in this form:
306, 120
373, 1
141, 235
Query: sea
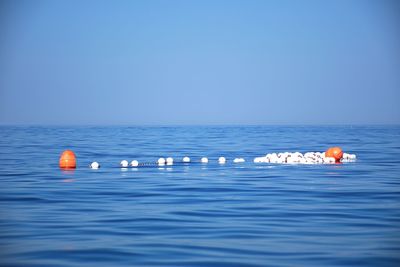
235, 214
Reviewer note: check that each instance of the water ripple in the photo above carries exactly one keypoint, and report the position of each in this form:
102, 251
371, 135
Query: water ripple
198, 215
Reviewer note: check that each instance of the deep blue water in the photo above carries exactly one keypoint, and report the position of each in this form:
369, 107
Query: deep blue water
199, 215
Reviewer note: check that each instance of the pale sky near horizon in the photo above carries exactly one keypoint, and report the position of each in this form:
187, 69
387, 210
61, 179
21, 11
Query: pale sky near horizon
199, 62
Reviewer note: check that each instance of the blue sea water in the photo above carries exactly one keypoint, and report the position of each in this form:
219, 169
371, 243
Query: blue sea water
199, 215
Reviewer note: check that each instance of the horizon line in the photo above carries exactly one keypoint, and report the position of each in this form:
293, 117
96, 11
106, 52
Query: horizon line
190, 125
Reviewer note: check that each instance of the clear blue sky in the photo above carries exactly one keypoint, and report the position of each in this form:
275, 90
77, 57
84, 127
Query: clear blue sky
199, 62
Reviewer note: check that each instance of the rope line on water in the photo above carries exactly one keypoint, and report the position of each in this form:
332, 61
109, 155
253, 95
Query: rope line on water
327, 157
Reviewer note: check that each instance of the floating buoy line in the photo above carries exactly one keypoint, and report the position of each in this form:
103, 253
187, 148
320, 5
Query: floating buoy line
331, 156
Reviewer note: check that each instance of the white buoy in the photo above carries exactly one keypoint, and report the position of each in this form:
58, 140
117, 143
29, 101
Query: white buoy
302, 160
204, 160
273, 158
238, 160
295, 158
186, 159
170, 161
282, 155
298, 154
309, 155
291, 160
161, 161
221, 160
348, 157
94, 165
134, 163
124, 164
329, 160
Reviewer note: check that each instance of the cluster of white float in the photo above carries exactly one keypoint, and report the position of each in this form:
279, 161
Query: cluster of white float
299, 158
349, 157
276, 158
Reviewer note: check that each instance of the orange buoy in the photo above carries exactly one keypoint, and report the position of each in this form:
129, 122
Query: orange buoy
67, 160
334, 152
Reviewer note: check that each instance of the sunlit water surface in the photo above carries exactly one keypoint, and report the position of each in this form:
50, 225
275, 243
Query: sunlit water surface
198, 215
